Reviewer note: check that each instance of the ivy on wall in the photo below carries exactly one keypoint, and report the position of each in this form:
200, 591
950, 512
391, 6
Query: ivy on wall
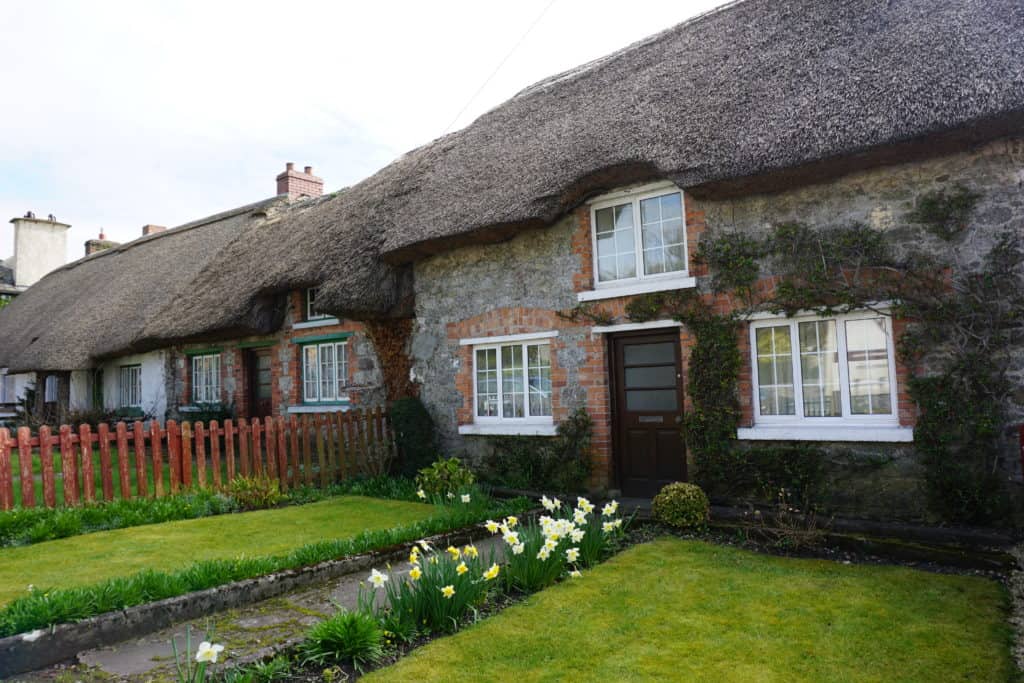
961, 321
390, 339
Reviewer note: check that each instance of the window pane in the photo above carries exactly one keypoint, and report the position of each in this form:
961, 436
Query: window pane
487, 382
663, 400
328, 373
341, 351
774, 370
616, 248
867, 359
657, 376
819, 368
512, 390
310, 373
662, 232
538, 358
649, 354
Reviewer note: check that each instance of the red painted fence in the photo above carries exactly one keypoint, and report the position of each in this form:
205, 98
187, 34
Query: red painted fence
316, 449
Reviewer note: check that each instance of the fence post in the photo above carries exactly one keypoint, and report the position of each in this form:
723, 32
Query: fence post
321, 453
257, 448
122, 461
243, 447
28, 489
271, 448
46, 464
68, 466
6, 476
186, 454
215, 451
106, 471
343, 450
174, 453
294, 424
201, 453
141, 480
86, 464
332, 463
282, 453
155, 437
229, 448
307, 460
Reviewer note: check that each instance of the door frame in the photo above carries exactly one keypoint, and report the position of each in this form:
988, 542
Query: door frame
250, 365
656, 334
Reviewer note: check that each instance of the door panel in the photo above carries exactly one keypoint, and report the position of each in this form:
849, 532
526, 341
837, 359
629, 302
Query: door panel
260, 382
647, 379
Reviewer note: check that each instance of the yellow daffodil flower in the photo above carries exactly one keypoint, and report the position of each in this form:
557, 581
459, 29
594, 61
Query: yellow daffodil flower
461, 569
492, 573
422, 494
415, 573
448, 591
491, 526
511, 521
470, 551
453, 551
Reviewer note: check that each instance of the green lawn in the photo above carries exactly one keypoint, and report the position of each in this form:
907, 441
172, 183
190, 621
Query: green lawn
82, 560
676, 610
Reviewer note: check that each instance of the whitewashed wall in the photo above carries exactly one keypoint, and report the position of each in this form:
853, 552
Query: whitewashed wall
80, 394
154, 393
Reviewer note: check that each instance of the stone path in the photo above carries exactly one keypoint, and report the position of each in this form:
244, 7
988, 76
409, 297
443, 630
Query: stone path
248, 633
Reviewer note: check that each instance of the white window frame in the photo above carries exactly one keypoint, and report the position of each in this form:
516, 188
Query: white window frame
204, 392
50, 389
309, 299
6, 387
129, 378
642, 282
847, 427
340, 351
497, 343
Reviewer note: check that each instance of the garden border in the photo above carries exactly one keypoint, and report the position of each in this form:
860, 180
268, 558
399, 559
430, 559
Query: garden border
63, 642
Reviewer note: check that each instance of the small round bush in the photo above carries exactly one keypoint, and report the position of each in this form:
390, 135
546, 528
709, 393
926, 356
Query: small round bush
354, 637
681, 505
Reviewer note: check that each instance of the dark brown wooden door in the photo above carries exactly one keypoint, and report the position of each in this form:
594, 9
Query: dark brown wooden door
261, 383
648, 412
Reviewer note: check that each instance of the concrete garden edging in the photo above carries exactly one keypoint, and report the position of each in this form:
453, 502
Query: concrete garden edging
62, 642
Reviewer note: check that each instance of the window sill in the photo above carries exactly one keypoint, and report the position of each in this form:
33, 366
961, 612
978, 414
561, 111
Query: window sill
861, 433
510, 429
309, 324
642, 287
320, 407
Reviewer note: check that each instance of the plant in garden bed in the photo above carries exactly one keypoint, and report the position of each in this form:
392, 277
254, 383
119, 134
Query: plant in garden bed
206, 654
354, 638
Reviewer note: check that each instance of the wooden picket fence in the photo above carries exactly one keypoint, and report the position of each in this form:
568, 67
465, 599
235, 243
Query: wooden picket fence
316, 449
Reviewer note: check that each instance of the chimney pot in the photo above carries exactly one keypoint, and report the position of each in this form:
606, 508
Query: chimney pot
298, 185
308, 170
102, 236
289, 166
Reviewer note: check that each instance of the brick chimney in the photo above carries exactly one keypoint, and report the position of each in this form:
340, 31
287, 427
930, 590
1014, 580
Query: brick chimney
97, 245
148, 230
299, 185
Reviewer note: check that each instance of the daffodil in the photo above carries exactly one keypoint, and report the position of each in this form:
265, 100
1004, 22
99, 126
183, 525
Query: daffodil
415, 573
491, 526
548, 504
572, 554
461, 569
492, 573
511, 521
453, 551
579, 516
543, 554
556, 504
448, 591
577, 535
470, 551
465, 498
208, 652
610, 509
608, 527
584, 504
422, 494
575, 573
511, 538
518, 549
451, 495
377, 579
426, 546
551, 544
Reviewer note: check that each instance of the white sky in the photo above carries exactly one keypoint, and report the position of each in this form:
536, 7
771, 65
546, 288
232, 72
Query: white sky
116, 114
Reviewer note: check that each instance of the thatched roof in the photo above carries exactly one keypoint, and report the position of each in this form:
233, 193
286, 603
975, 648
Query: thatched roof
99, 305
753, 97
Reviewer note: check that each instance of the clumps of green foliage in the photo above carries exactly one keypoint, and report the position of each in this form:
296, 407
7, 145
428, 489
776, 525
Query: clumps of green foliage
44, 607
443, 477
205, 412
561, 463
681, 505
587, 312
945, 215
415, 436
275, 669
257, 492
762, 471
354, 638
24, 526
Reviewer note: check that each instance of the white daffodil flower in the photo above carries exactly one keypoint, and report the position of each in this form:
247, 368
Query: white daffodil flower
208, 652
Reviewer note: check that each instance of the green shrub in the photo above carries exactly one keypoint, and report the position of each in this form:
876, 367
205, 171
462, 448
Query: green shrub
761, 471
444, 477
561, 463
255, 493
414, 435
681, 505
349, 637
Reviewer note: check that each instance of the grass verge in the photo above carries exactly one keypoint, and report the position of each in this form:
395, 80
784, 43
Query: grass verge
298, 535
689, 610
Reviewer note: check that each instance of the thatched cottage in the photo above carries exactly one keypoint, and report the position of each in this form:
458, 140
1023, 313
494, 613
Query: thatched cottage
514, 261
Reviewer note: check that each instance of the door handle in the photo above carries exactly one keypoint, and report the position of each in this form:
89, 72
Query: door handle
679, 419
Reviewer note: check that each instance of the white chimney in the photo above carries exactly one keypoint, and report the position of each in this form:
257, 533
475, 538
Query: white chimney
40, 246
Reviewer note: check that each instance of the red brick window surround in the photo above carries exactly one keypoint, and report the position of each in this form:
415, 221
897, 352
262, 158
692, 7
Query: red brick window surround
824, 379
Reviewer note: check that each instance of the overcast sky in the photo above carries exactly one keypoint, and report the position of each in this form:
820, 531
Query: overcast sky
118, 114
